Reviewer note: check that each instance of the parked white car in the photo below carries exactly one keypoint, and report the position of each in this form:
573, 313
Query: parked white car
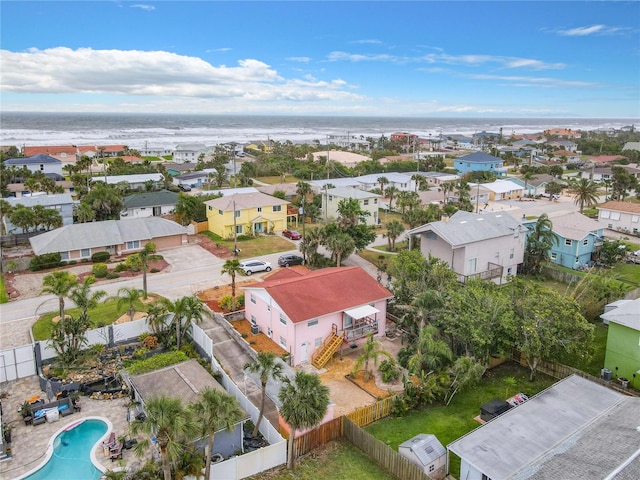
252, 266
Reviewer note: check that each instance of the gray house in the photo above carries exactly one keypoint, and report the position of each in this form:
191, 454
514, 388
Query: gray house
48, 165
576, 429
61, 202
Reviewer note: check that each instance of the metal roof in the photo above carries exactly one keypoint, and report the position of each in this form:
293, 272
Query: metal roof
150, 199
426, 447
44, 200
351, 192
36, 159
627, 314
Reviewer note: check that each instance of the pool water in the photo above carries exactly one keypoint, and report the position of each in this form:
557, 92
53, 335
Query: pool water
71, 459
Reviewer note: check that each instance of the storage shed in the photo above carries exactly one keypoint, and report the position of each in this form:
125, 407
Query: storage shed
426, 451
493, 408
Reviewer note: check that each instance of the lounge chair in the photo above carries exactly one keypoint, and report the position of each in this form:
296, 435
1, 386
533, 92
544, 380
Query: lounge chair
111, 442
116, 452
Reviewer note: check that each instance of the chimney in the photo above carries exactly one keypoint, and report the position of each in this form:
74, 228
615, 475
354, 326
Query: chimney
445, 218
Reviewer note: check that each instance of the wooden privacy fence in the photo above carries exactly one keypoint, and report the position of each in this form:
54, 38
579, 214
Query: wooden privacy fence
318, 436
382, 453
371, 413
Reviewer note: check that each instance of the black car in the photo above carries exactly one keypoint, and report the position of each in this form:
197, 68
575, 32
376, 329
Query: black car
288, 260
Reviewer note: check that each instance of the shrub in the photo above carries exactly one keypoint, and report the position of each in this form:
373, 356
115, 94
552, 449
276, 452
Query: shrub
42, 262
100, 270
226, 303
154, 270
150, 342
72, 262
112, 275
390, 371
100, 257
156, 362
121, 267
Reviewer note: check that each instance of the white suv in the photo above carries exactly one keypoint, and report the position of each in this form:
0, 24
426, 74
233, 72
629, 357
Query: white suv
252, 266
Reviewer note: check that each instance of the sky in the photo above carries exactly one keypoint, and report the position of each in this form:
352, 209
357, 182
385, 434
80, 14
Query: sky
362, 58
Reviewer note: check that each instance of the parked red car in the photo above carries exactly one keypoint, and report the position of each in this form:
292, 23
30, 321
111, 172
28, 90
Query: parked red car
292, 234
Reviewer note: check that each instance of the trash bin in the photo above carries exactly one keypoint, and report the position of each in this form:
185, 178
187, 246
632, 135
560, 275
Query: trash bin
605, 374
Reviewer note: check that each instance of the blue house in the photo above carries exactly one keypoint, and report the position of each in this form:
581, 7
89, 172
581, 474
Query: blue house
480, 162
577, 239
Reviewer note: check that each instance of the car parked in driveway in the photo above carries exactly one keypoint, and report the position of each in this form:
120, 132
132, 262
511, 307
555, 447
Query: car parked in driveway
292, 234
252, 266
288, 260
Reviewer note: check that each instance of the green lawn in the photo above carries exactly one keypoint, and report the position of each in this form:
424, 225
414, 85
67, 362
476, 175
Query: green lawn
629, 272
451, 422
105, 314
278, 179
338, 460
255, 247
4, 298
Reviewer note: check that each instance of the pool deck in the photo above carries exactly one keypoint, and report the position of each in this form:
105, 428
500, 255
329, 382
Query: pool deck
29, 443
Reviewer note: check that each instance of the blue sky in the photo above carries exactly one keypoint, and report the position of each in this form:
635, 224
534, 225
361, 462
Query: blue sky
366, 58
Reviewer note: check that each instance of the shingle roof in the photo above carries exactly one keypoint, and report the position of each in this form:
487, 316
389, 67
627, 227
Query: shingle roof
621, 207
323, 292
426, 447
479, 157
151, 199
244, 201
36, 159
575, 226
464, 227
101, 234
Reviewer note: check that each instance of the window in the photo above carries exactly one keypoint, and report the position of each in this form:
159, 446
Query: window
331, 198
635, 230
85, 253
239, 229
132, 245
511, 253
283, 320
253, 298
366, 202
64, 255
259, 209
605, 214
615, 215
568, 242
283, 342
472, 265
609, 225
237, 213
585, 242
509, 270
375, 201
41, 167
312, 323
277, 208
554, 256
220, 212
635, 218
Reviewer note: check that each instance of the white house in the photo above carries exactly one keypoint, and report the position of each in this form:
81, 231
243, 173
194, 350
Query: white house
501, 189
620, 216
489, 246
148, 204
401, 181
369, 202
188, 152
46, 164
135, 181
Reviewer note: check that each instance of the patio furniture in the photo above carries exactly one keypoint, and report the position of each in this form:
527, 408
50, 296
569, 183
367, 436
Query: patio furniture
28, 419
116, 452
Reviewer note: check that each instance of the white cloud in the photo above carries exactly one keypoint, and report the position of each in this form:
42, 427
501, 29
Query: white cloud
299, 59
143, 7
65, 71
592, 30
515, 80
367, 42
357, 57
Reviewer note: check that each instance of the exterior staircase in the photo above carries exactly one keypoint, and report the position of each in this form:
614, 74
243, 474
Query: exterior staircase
330, 346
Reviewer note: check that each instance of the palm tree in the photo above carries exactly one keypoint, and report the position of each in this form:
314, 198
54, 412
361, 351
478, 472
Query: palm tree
304, 403
59, 283
143, 258
431, 353
340, 244
383, 181
391, 193
215, 410
394, 230
232, 267
584, 191
310, 242
527, 176
540, 240
267, 366
129, 296
446, 188
157, 314
170, 423
84, 298
372, 350
190, 309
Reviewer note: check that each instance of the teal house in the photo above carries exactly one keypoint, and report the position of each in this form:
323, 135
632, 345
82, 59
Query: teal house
480, 162
622, 358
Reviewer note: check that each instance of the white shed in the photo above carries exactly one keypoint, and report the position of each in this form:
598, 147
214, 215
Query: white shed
426, 451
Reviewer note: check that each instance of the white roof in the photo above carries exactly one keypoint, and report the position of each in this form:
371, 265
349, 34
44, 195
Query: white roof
500, 186
44, 200
336, 182
138, 178
393, 177
352, 192
361, 312
627, 314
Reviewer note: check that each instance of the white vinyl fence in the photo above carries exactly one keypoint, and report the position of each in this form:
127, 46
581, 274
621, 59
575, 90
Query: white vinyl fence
19, 362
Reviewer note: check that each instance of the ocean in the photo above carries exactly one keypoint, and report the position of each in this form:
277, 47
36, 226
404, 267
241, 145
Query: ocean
166, 131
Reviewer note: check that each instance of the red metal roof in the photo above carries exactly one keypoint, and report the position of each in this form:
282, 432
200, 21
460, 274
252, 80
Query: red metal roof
323, 292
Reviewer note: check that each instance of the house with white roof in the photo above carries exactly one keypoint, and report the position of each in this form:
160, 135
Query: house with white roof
501, 190
135, 181
118, 237
401, 181
537, 185
319, 185
196, 179
488, 246
188, 152
369, 202
620, 216
46, 164
438, 178
575, 430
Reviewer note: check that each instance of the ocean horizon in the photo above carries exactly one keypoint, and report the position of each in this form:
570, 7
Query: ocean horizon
137, 130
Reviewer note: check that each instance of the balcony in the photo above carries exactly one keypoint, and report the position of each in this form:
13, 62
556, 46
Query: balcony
494, 271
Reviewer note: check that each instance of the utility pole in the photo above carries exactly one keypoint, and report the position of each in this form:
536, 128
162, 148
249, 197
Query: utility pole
235, 231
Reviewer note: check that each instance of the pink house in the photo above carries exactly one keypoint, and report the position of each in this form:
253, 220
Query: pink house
312, 314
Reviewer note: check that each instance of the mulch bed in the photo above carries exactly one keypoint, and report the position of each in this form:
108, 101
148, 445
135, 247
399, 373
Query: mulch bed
211, 247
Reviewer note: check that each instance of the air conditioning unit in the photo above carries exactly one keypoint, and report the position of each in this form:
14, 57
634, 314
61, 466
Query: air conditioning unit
255, 329
605, 374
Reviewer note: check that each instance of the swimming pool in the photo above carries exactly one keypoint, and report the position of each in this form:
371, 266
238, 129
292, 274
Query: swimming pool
70, 454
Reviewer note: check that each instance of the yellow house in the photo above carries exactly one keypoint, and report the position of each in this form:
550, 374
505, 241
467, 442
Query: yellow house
247, 213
